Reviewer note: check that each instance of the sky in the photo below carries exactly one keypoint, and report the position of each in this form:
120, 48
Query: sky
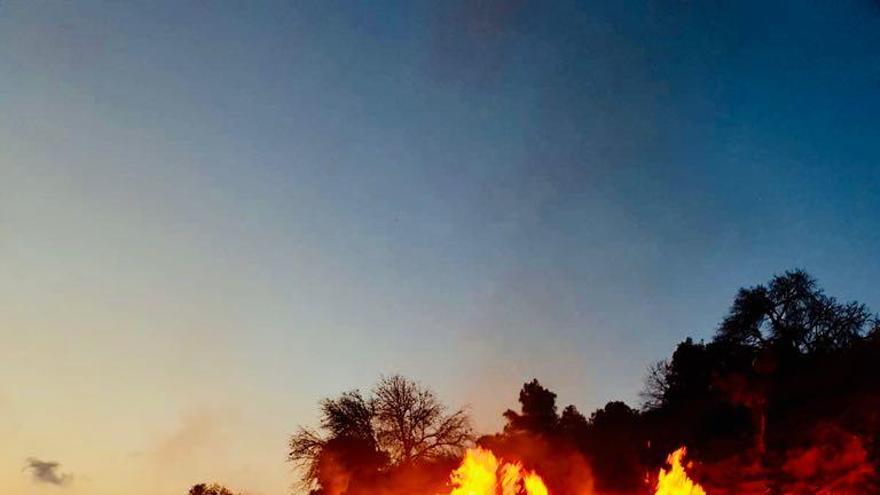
213, 214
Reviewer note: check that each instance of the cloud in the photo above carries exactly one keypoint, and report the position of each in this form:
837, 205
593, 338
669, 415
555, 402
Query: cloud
47, 472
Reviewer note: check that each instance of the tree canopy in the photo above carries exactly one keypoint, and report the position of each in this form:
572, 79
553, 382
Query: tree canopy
788, 367
399, 423
793, 313
537, 410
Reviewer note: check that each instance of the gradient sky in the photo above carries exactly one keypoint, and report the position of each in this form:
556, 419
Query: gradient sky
213, 214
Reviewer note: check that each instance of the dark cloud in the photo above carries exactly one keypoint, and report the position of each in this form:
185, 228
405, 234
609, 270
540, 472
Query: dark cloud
47, 472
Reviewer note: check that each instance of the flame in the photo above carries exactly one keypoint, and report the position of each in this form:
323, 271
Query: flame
481, 473
510, 475
676, 481
534, 485
476, 475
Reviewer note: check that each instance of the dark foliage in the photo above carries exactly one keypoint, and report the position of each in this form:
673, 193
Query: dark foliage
400, 426
790, 376
538, 411
786, 361
786, 364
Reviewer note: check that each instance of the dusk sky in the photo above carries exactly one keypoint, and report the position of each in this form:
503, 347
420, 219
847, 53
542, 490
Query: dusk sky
213, 214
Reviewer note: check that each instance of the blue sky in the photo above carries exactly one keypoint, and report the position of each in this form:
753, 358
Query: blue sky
246, 206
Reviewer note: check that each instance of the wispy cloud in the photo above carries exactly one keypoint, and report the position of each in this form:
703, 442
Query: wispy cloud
47, 472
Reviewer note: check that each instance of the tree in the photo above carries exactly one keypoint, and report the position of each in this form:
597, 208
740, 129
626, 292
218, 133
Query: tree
350, 415
348, 443
793, 314
656, 384
413, 426
538, 406
400, 423
572, 423
688, 375
785, 357
613, 443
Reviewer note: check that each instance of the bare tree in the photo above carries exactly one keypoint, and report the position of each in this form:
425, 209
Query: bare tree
401, 422
656, 384
412, 425
306, 446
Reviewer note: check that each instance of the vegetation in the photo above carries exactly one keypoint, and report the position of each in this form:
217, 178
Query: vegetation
787, 369
399, 425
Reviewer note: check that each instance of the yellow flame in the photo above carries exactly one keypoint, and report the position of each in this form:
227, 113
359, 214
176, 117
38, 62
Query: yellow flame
510, 476
476, 474
481, 473
676, 481
534, 484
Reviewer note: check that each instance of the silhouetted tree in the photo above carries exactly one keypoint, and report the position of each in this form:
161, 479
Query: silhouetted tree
613, 442
572, 424
793, 314
538, 411
656, 384
786, 366
347, 445
688, 375
413, 426
786, 359
400, 423
349, 415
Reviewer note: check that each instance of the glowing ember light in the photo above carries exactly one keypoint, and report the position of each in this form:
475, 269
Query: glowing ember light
676, 481
480, 471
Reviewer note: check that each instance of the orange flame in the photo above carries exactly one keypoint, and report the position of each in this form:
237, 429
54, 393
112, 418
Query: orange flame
676, 481
481, 473
534, 485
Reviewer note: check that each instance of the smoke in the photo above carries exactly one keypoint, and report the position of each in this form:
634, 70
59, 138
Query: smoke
334, 476
47, 472
830, 461
836, 460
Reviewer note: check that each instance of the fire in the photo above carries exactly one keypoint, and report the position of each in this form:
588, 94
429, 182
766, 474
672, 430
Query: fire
676, 481
534, 485
481, 473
